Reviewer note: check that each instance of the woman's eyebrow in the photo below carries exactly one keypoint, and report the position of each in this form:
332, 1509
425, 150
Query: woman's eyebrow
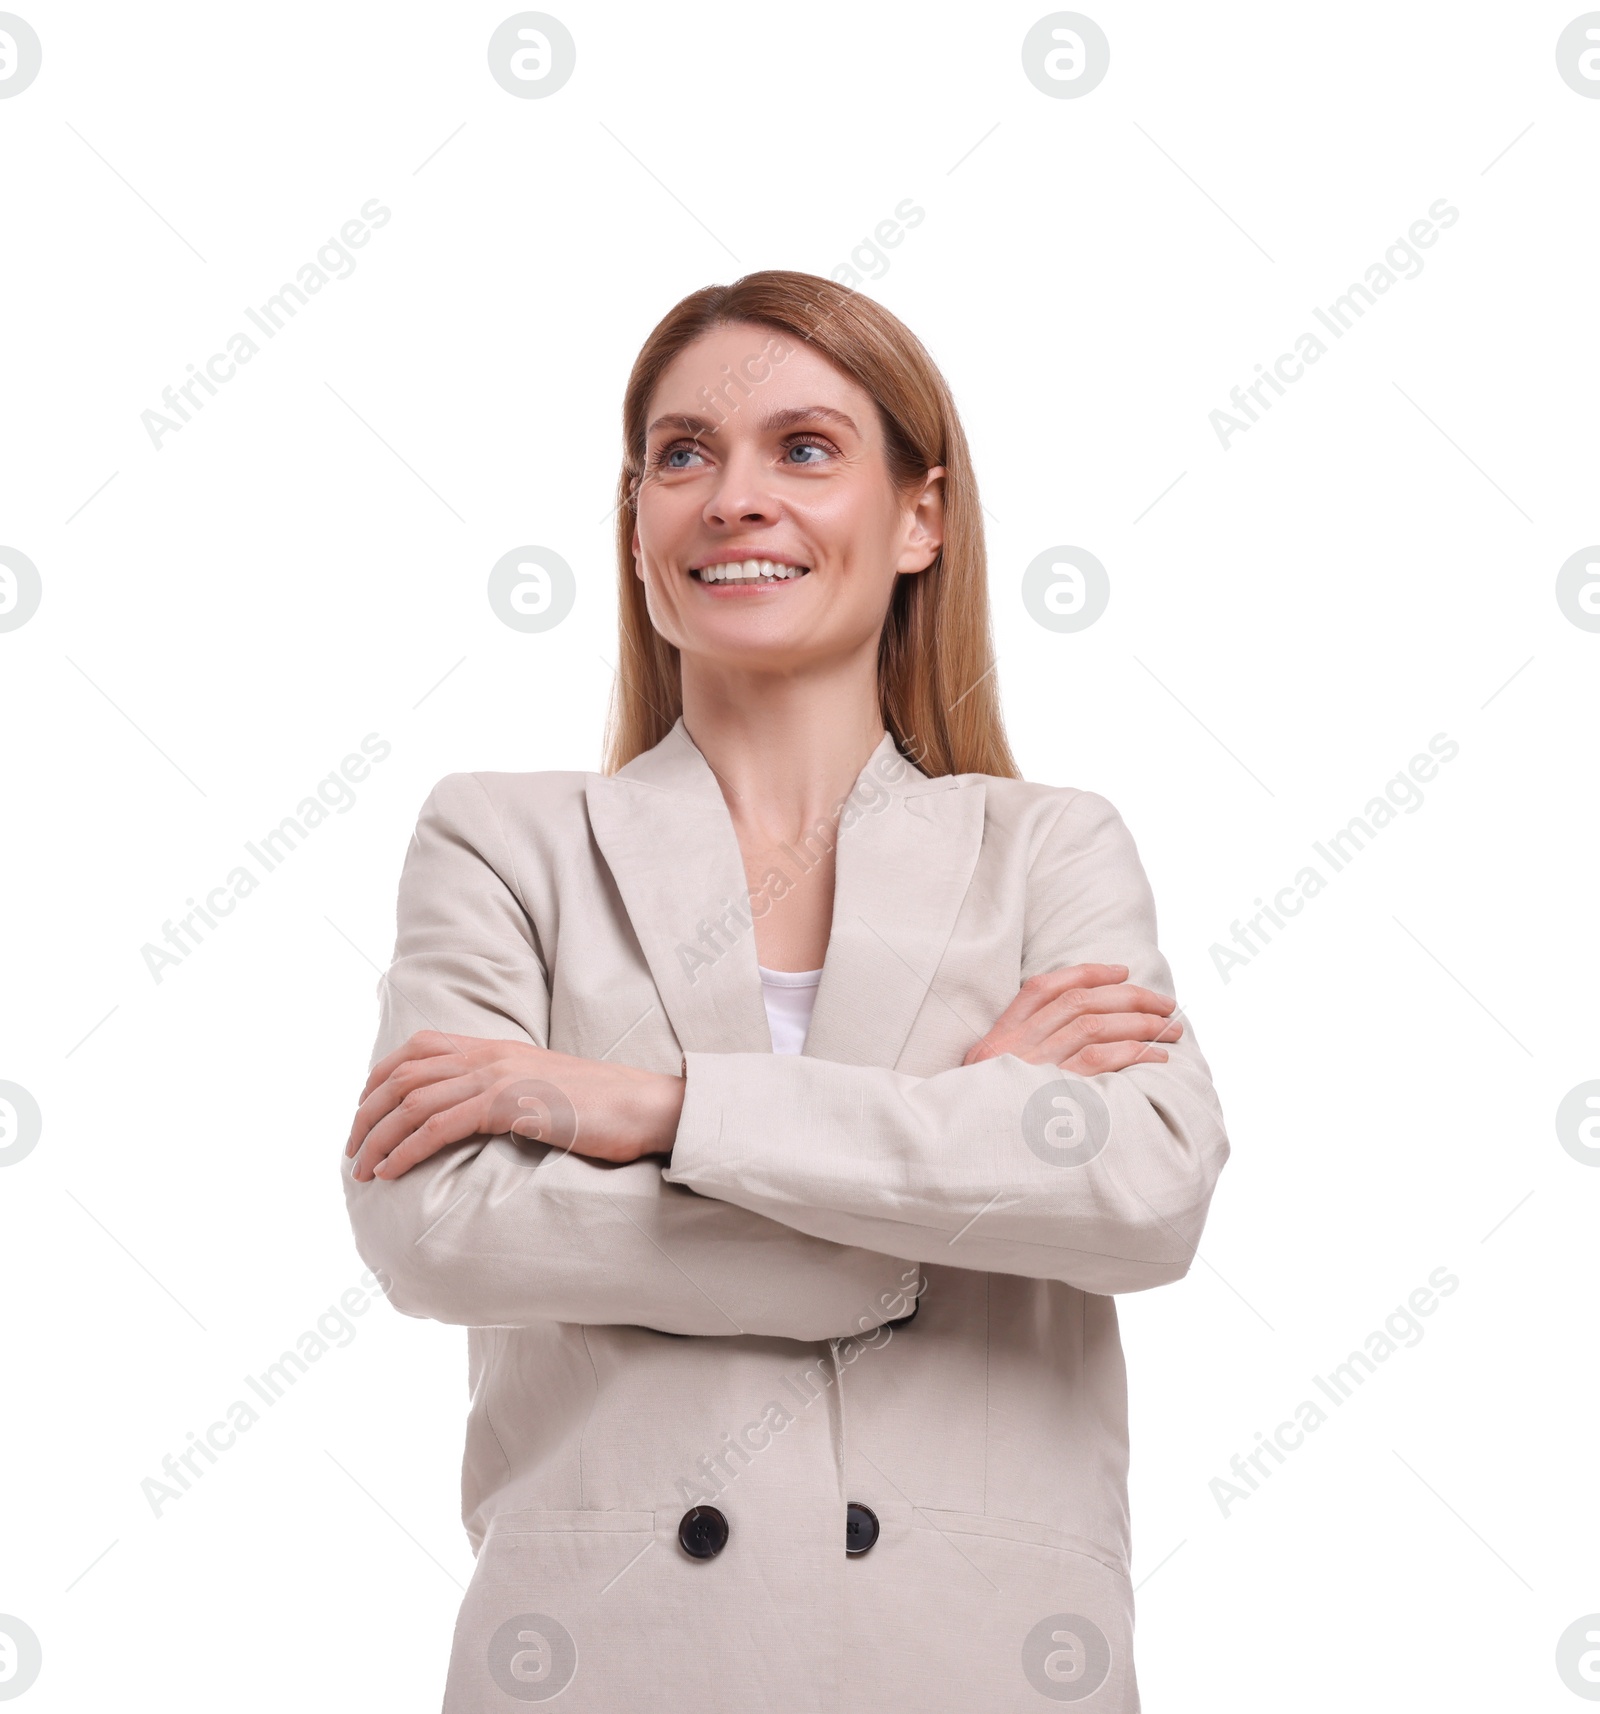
787, 418
808, 413
689, 424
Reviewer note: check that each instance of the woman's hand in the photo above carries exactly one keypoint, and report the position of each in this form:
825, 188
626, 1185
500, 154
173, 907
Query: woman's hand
439, 1089
1085, 1018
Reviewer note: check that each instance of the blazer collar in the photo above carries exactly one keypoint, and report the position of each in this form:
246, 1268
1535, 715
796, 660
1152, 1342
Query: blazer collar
905, 853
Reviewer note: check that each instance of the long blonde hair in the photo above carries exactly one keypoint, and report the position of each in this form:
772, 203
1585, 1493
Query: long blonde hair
936, 681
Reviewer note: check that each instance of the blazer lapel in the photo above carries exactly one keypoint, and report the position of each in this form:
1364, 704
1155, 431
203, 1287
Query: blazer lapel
903, 866
666, 835
907, 846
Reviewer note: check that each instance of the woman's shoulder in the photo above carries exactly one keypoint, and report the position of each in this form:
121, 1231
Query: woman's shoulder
519, 808
1041, 809
548, 787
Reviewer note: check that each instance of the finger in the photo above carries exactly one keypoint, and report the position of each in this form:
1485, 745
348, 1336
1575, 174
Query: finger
1050, 983
1105, 1027
471, 1117
453, 1125
1086, 975
1050, 1000
1117, 997
407, 1115
1040, 990
1124, 1026
1112, 1056
403, 1120
1084, 1002
407, 1076
1042, 1038
424, 1044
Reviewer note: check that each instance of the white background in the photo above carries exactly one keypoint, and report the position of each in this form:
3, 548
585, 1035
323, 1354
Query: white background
306, 562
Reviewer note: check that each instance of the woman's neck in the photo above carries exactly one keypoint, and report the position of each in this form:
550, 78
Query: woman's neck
786, 754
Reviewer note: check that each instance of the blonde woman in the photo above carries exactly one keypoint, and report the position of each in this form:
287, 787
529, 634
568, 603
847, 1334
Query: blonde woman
782, 1108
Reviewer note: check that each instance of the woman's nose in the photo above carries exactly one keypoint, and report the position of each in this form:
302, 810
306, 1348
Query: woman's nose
741, 496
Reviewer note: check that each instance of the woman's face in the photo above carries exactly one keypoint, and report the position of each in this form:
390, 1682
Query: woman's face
758, 449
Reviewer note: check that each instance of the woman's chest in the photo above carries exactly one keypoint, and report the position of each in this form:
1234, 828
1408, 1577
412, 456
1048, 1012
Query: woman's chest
899, 988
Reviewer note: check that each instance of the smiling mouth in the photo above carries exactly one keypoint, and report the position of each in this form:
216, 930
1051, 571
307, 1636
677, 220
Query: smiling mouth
749, 572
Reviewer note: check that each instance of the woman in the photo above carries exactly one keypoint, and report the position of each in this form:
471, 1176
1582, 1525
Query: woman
796, 1382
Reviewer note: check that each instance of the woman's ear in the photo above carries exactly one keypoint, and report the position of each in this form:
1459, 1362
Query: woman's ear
924, 524
638, 569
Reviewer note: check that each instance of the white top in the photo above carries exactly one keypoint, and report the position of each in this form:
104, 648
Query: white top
790, 995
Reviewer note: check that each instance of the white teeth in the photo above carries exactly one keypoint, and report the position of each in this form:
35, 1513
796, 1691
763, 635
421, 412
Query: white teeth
749, 571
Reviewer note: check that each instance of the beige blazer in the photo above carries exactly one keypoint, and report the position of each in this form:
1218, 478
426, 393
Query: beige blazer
867, 1303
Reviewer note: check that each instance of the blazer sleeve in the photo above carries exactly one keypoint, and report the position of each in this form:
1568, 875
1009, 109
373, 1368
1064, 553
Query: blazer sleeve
1007, 1167
503, 1231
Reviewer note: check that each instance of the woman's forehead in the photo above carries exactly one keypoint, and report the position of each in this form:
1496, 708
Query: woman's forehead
747, 364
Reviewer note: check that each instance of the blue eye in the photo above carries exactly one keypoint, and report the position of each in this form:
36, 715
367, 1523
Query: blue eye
672, 453
808, 446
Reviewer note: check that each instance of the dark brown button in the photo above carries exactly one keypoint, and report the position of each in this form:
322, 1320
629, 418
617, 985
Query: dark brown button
703, 1532
860, 1528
